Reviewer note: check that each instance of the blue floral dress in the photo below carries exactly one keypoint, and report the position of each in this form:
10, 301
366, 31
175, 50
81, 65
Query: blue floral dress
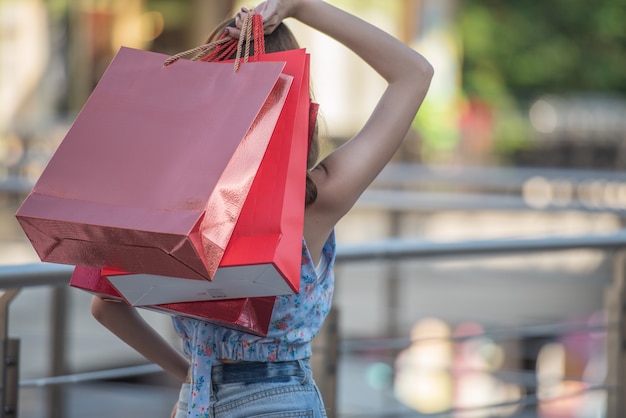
296, 319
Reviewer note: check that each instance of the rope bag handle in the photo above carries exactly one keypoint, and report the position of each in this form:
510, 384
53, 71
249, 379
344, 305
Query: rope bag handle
251, 31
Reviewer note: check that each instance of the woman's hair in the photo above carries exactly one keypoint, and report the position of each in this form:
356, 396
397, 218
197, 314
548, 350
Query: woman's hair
281, 39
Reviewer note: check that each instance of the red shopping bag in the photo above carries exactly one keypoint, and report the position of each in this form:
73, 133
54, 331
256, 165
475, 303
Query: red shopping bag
90, 279
251, 315
136, 177
263, 255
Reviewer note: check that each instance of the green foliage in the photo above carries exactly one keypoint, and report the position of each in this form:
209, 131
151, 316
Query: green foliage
525, 48
438, 136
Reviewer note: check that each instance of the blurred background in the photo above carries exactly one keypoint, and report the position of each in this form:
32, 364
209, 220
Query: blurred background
522, 136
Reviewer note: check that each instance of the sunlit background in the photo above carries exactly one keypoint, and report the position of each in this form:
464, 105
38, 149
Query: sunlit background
522, 135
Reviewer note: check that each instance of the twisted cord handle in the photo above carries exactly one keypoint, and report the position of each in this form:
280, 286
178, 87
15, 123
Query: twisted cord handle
201, 50
244, 41
251, 31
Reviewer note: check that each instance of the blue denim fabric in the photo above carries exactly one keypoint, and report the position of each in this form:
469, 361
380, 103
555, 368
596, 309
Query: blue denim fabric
255, 390
183, 397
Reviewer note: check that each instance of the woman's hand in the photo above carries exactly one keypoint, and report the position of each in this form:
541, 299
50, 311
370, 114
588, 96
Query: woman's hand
272, 11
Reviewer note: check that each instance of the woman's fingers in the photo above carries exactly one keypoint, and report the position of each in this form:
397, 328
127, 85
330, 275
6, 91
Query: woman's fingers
233, 32
270, 11
239, 18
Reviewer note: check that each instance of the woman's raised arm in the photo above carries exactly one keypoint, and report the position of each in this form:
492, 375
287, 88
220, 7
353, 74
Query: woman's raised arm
346, 173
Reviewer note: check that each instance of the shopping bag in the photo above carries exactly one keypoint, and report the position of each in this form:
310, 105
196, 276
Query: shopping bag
91, 280
263, 255
153, 151
250, 315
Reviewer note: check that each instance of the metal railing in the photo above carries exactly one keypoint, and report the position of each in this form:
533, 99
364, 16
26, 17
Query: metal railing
414, 187
426, 187
13, 278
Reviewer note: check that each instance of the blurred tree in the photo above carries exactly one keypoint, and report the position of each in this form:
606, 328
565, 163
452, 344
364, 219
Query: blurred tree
528, 48
515, 52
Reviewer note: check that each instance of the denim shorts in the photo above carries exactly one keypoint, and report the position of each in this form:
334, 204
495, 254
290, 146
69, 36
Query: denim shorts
268, 390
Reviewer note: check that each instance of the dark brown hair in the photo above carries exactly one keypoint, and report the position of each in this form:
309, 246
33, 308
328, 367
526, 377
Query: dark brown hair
281, 39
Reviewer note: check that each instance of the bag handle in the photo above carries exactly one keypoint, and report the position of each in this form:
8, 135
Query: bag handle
251, 31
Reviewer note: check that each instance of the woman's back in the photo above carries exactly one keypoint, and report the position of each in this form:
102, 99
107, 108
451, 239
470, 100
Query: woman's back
264, 383
296, 320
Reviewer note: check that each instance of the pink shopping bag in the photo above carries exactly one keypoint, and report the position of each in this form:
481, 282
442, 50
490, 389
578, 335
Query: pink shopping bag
153, 173
263, 255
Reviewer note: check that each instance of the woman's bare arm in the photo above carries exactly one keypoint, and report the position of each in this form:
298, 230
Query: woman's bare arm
126, 323
348, 171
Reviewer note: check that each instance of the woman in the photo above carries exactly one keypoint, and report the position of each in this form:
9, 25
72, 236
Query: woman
232, 374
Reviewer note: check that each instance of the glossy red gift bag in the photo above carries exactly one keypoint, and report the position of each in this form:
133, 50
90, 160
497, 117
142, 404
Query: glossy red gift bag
249, 242
90, 279
251, 315
153, 173
264, 252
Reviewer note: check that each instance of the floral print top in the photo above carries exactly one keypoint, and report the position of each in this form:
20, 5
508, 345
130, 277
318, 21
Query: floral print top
296, 319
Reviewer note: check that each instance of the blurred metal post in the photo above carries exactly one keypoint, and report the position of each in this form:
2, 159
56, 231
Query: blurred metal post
324, 361
410, 20
393, 282
9, 356
79, 53
58, 337
616, 348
